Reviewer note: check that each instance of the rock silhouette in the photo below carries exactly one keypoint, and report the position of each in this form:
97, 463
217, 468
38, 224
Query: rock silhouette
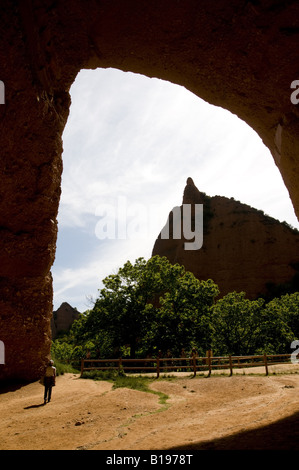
243, 249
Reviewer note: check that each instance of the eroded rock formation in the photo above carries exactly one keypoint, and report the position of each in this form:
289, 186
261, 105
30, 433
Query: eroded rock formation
63, 319
243, 249
242, 56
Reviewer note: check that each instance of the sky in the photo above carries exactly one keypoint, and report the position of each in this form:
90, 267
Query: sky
130, 144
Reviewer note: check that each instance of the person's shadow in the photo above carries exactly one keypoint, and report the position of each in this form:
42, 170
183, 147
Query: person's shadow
34, 406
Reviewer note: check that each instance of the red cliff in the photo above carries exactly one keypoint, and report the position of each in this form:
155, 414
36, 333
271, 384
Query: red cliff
243, 249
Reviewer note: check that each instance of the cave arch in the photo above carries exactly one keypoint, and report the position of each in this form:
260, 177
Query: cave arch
241, 56
118, 119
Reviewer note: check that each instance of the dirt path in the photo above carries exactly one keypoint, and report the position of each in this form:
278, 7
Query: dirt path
239, 412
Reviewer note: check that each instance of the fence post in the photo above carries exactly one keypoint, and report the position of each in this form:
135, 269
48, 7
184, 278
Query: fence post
209, 364
82, 367
194, 364
265, 362
230, 365
119, 364
158, 367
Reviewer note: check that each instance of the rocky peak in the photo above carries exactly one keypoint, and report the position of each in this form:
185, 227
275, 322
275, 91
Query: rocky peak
63, 318
191, 194
243, 249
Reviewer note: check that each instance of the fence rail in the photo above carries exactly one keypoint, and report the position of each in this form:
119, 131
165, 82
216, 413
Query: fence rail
191, 364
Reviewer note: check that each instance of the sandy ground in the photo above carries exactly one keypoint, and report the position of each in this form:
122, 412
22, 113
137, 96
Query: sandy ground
219, 412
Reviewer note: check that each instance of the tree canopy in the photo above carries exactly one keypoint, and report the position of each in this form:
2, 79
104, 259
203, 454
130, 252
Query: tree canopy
153, 306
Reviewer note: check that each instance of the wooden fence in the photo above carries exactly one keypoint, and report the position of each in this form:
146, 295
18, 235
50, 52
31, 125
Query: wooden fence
192, 364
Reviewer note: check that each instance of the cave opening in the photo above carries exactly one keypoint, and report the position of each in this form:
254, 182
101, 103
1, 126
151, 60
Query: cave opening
129, 144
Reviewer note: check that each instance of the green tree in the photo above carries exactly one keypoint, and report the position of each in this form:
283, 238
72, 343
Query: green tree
153, 304
182, 319
242, 326
62, 350
280, 324
236, 324
288, 307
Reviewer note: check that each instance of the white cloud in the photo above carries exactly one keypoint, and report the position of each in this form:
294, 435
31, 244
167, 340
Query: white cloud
77, 284
128, 135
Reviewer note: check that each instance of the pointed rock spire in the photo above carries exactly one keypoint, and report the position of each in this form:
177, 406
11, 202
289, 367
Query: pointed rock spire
191, 194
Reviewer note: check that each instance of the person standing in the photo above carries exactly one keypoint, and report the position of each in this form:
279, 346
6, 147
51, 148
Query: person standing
49, 381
